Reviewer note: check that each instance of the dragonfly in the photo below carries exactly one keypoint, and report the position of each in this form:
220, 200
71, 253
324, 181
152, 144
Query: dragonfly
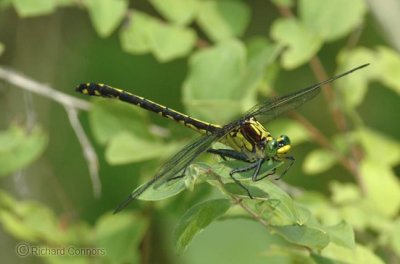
246, 138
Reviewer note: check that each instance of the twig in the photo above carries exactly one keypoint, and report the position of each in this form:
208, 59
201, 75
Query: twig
71, 104
28, 84
88, 150
354, 37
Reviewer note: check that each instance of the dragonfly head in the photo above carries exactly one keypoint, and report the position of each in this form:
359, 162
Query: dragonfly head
283, 145
278, 147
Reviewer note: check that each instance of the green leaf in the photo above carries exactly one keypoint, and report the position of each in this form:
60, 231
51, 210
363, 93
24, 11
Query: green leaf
341, 143
387, 17
15, 227
179, 12
33, 222
354, 89
342, 234
225, 66
276, 204
383, 187
359, 216
169, 42
29, 8
343, 193
125, 148
225, 167
302, 44
163, 191
119, 232
5, 3
286, 254
2, 48
394, 236
375, 143
106, 15
318, 161
165, 188
324, 260
147, 34
6, 200
260, 55
286, 3
222, 66
388, 68
384, 69
223, 19
321, 17
66, 3
321, 209
361, 254
108, 118
134, 37
303, 235
196, 219
234, 188
19, 148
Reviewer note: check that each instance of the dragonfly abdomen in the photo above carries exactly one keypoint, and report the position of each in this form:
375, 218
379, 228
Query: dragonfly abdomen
95, 89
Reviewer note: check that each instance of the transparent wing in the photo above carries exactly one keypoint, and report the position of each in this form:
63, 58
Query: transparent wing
270, 109
176, 164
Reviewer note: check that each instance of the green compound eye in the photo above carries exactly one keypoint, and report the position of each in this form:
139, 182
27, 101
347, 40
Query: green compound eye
283, 145
283, 140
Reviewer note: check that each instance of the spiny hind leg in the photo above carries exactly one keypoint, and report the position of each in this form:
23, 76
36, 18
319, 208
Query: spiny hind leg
256, 166
256, 179
240, 184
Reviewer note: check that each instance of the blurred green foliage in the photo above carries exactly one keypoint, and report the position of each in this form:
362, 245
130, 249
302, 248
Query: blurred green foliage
214, 59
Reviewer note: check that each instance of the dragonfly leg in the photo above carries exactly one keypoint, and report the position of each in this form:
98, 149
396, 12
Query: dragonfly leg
229, 153
256, 179
259, 162
255, 165
240, 184
291, 160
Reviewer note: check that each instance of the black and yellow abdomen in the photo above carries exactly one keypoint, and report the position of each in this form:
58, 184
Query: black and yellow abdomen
103, 90
249, 137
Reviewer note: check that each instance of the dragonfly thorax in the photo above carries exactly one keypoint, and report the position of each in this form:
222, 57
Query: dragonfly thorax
254, 140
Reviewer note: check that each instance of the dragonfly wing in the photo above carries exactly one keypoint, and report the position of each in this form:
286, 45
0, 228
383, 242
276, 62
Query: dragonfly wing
277, 106
175, 165
280, 105
183, 158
